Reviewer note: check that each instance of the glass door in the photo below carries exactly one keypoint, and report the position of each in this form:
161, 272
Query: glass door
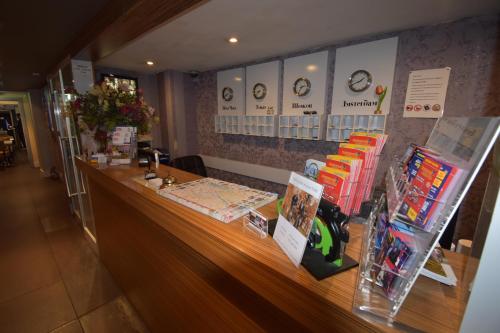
61, 87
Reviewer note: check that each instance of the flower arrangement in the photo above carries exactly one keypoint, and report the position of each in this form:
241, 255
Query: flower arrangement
103, 108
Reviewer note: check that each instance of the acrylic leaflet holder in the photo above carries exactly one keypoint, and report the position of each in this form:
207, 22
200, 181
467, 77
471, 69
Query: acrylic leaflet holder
256, 222
396, 243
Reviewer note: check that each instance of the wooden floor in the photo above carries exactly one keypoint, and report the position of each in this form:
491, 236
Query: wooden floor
50, 279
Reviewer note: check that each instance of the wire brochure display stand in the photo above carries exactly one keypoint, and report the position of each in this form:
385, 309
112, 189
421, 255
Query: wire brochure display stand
397, 243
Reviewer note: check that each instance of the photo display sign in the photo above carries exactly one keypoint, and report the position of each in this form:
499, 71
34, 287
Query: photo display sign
426, 93
262, 89
295, 221
304, 84
363, 80
231, 92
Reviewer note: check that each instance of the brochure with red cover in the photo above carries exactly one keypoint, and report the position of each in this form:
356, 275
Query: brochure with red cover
377, 141
364, 153
335, 186
351, 165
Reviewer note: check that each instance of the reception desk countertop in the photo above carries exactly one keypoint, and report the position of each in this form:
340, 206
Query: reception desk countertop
184, 270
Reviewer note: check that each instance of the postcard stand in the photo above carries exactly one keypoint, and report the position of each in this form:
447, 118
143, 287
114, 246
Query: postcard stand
463, 141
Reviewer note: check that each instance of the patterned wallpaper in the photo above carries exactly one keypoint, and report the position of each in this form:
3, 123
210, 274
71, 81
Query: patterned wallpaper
471, 47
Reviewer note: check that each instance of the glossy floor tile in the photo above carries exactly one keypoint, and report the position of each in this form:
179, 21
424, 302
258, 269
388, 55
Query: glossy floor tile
115, 317
50, 278
39, 311
71, 327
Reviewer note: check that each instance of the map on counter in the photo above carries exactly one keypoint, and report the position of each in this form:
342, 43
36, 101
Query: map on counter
219, 199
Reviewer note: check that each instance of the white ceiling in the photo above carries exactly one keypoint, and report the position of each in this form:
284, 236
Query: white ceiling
267, 28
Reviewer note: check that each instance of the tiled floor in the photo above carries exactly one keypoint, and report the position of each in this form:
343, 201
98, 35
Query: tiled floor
50, 279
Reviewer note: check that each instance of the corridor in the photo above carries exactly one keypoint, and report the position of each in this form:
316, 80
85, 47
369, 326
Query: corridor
50, 279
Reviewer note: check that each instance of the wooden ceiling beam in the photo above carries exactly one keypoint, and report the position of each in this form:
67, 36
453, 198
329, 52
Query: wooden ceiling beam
121, 21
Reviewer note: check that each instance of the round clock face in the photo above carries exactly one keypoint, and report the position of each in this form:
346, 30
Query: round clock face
259, 91
302, 86
359, 81
227, 94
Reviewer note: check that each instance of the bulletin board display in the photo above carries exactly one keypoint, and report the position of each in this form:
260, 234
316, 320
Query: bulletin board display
359, 69
263, 89
231, 92
304, 84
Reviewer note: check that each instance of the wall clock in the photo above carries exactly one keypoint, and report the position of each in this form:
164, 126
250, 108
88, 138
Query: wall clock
259, 91
227, 94
359, 80
301, 86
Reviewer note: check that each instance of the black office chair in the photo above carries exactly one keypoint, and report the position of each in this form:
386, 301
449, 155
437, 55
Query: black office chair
191, 163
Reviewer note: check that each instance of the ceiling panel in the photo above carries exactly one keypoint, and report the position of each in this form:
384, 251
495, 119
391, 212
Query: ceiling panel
267, 28
34, 34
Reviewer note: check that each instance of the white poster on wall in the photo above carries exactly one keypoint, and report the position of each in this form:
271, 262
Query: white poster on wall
426, 93
83, 75
304, 84
231, 92
262, 88
363, 79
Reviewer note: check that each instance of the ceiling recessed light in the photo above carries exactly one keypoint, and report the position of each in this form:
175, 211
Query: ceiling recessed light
312, 68
149, 63
233, 40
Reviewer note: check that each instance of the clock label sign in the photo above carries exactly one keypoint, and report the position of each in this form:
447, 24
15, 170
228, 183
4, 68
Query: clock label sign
268, 108
301, 106
228, 108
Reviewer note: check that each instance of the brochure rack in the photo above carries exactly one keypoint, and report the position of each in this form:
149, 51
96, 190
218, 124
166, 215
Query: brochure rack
465, 142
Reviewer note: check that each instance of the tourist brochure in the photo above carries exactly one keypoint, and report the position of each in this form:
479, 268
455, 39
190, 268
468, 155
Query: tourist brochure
295, 221
373, 140
351, 165
395, 254
366, 154
432, 179
336, 188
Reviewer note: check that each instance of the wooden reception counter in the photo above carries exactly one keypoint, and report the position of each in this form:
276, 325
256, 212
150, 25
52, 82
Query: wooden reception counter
183, 270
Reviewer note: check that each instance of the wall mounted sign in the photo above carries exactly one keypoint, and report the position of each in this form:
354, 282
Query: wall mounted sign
231, 92
426, 93
83, 75
304, 84
362, 74
262, 89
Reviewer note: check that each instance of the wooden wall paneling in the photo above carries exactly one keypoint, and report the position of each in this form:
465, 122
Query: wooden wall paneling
231, 261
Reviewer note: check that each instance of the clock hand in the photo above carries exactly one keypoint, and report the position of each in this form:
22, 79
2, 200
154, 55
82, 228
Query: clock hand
357, 81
